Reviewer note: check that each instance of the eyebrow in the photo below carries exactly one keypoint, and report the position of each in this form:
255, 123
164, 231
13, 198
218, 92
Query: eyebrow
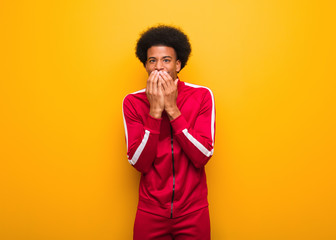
162, 57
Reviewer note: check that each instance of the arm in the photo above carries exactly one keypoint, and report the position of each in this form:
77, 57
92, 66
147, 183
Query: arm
197, 142
141, 138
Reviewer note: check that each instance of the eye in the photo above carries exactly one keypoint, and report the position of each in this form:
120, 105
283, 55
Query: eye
166, 60
151, 60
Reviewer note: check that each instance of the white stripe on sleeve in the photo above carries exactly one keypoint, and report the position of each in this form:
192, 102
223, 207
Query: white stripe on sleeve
212, 110
197, 144
140, 148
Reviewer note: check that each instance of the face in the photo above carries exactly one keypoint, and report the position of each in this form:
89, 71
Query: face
163, 58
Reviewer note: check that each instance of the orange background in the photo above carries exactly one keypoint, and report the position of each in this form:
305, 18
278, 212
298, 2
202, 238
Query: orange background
67, 65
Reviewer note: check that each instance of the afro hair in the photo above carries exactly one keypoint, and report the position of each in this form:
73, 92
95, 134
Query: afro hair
163, 35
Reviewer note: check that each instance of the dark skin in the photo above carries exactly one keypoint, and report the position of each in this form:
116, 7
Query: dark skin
162, 66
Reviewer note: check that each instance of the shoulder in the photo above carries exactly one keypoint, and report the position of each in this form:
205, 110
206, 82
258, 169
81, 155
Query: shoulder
135, 96
198, 89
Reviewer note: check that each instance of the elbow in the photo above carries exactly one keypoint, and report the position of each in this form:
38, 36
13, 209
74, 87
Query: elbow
198, 165
143, 168
202, 162
143, 164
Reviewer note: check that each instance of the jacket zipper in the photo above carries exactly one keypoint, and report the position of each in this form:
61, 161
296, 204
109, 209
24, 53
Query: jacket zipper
172, 149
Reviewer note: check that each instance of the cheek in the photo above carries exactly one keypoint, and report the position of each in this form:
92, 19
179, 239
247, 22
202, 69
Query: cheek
170, 69
149, 70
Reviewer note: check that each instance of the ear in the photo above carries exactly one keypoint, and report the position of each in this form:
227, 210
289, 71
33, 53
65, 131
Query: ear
178, 65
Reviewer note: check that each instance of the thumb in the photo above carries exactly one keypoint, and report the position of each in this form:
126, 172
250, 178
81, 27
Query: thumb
175, 82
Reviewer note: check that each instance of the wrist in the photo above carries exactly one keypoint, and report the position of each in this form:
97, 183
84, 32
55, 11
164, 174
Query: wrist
173, 113
155, 113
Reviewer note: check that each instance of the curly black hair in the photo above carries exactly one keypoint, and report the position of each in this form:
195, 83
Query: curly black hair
166, 36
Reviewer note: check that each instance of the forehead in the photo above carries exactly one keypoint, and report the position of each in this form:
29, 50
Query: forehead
161, 51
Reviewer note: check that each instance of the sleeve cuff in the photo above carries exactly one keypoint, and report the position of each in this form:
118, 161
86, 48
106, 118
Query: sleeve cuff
178, 124
153, 124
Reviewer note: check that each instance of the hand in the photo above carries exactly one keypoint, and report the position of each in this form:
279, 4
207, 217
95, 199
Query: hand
169, 87
155, 95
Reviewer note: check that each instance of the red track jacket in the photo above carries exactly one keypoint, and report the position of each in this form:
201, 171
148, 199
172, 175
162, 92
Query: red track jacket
171, 155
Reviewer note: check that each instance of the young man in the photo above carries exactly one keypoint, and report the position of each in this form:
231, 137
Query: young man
170, 130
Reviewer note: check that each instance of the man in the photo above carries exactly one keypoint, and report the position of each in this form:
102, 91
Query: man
169, 129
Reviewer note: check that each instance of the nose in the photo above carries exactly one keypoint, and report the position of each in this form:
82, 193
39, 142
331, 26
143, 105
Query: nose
158, 66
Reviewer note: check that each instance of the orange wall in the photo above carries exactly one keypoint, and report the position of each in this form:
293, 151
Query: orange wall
66, 66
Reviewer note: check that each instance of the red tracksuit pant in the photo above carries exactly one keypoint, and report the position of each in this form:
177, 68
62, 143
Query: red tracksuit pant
193, 226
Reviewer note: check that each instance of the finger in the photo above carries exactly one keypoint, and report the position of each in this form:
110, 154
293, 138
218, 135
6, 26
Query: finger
148, 87
151, 84
150, 81
162, 83
167, 76
155, 83
171, 85
169, 80
160, 87
164, 80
